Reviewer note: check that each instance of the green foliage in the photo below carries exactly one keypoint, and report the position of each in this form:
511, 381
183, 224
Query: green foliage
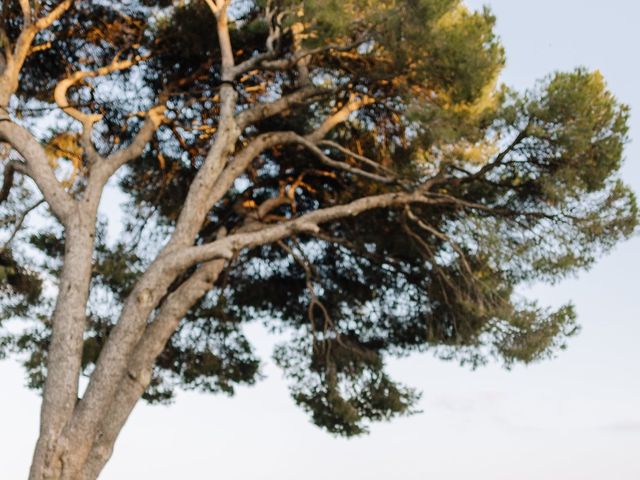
586, 128
342, 385
19, 283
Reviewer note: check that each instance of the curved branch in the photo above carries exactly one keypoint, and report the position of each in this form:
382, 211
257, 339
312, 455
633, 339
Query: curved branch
60, 92
291, 61
500, 157
87, 120
445, 238
15, 59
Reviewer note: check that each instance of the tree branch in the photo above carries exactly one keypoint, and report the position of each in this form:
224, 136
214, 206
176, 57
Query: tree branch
115, 355
10, 168
103, 170
340, 165
61, 203
309, 222
350, 153
20, 220
292, 60
342, 115
501, 156
15, 60
136, 381
266, 110
60, 92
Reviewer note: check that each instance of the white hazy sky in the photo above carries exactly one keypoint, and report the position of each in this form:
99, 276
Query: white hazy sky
573, 418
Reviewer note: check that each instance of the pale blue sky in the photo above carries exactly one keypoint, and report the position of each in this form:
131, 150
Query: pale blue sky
573, 418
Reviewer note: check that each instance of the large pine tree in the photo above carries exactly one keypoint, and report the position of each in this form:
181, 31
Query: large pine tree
352, 173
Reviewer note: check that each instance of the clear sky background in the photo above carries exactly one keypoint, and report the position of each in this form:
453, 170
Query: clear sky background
573, 418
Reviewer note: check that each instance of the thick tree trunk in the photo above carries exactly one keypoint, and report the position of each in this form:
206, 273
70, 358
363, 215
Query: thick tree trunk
65, 352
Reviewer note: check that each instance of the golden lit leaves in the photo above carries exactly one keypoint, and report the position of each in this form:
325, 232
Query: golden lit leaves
65, 146
477, 153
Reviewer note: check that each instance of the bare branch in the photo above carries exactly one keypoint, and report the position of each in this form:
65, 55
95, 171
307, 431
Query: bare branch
437, 233
26, 12
18, 225
263, 142
273, 18
139, 370
354, 155
219, 9
5, 43
342, 115
115, 354
10, 168
23, 45
104, 170
309, 222
266, 110
501, 156
87, 120
55, 14
35, 157
292, 60
15, 60
302, 65
266, 60
217, 179
198, 202
340, 165
60, 92
314, 301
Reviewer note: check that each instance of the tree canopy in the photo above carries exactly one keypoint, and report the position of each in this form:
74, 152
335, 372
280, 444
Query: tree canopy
353, 174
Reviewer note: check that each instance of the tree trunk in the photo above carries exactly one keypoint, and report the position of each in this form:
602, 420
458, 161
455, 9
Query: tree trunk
65, 352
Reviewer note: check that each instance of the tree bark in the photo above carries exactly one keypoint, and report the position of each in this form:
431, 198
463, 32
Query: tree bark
65, 352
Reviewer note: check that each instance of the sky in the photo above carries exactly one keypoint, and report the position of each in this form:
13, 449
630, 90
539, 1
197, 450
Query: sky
576, 417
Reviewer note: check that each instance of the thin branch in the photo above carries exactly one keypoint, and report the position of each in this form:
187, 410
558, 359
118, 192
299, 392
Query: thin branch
55, 14
5, 43
60, 92
437, 233
266, 110
354, 155
26, 12
501, 156
10, 168
153, 120
23, 44
342, 115
273, 18
291, 61
314, 300
313, 148
20, 220
219, 9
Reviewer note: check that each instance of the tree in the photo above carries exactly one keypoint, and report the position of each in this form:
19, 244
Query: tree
351, 173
